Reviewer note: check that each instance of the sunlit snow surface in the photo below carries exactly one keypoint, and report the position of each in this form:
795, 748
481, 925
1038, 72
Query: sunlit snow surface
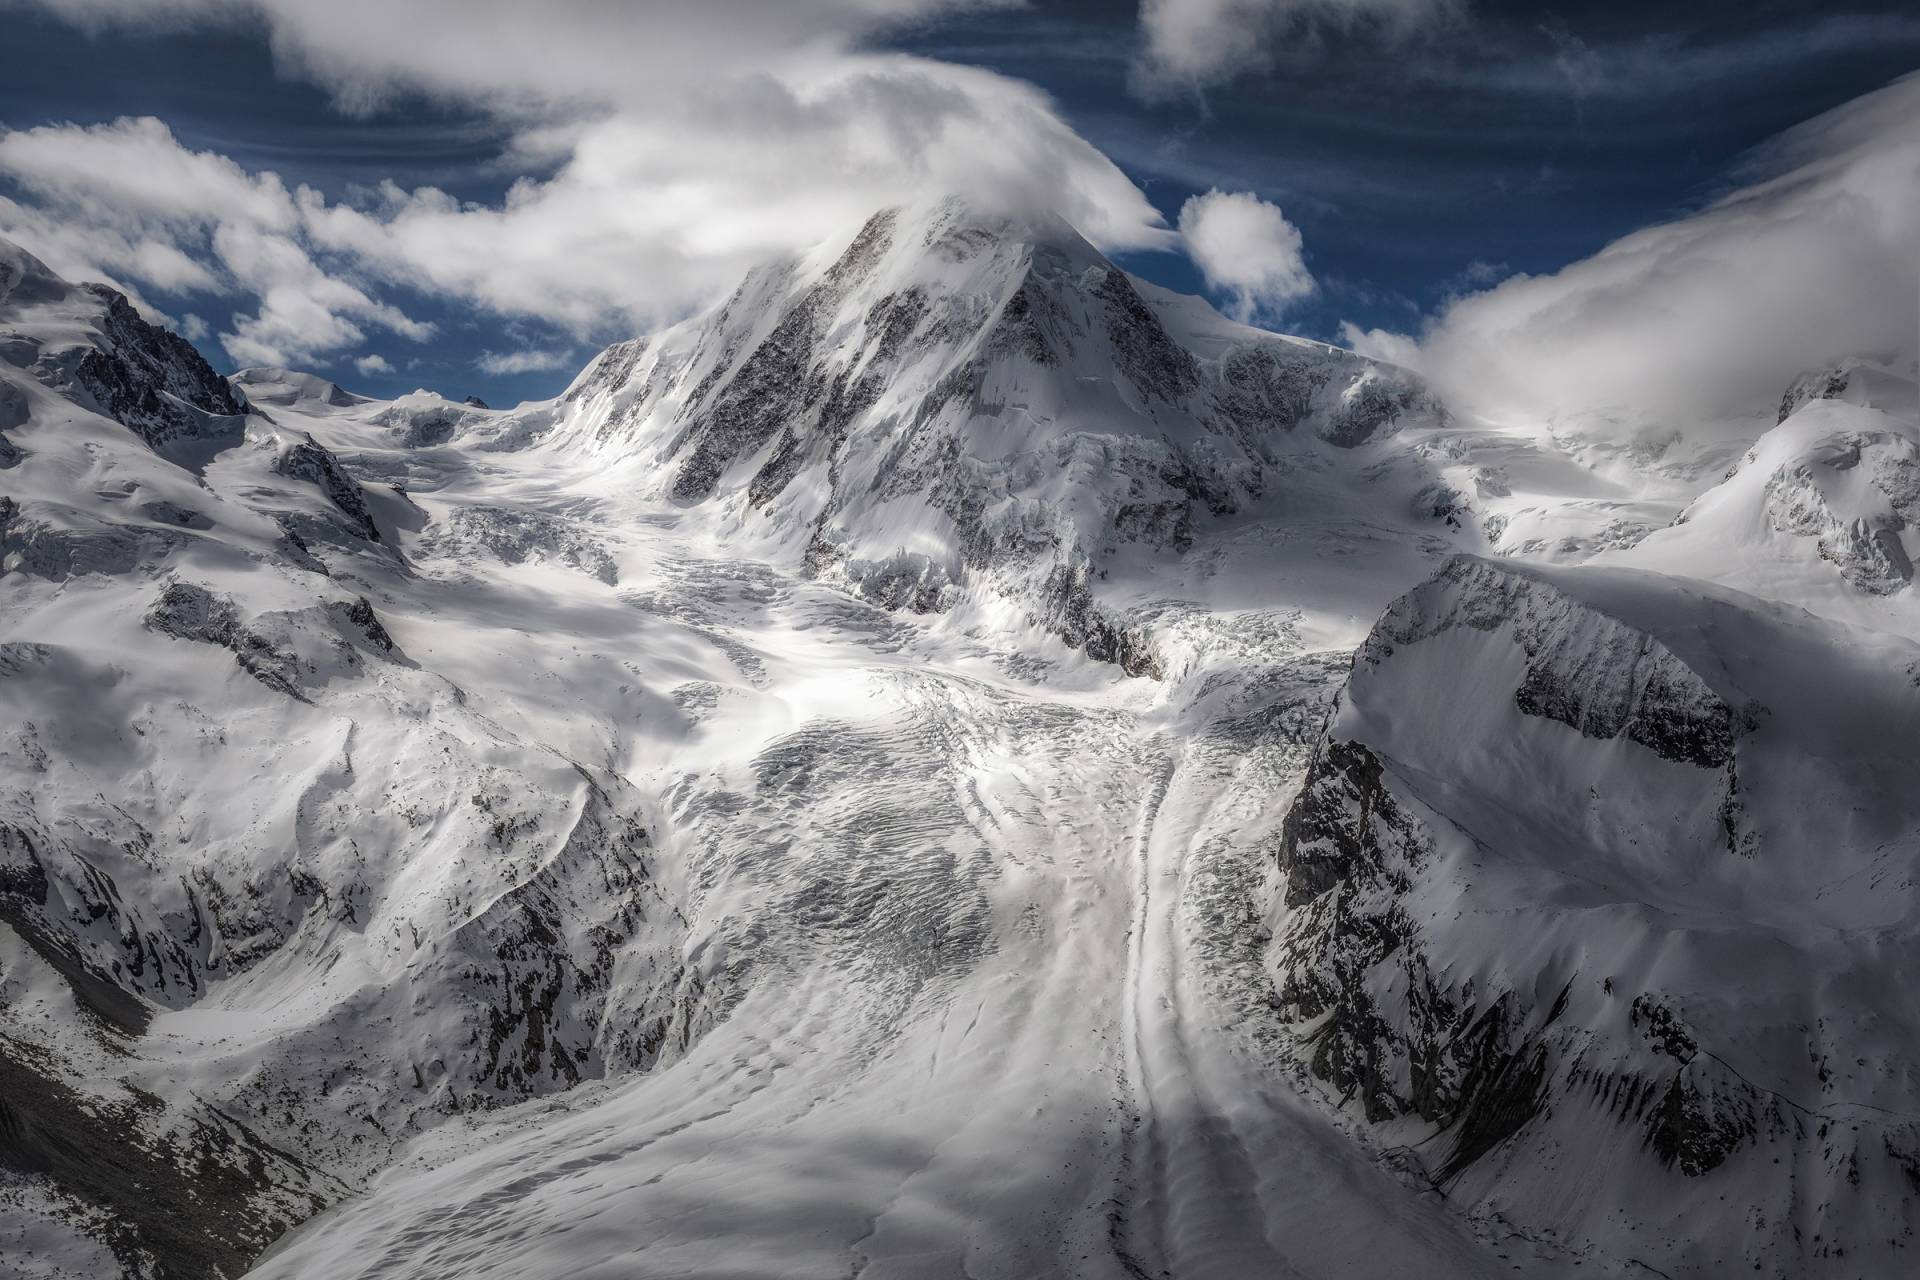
988, 915
583, 880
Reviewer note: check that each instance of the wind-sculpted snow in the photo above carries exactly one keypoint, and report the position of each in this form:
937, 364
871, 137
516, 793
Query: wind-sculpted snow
1589, 876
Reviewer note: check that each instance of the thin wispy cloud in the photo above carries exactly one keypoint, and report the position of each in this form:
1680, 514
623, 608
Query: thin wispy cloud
1201, 42
513, 362
1664, 64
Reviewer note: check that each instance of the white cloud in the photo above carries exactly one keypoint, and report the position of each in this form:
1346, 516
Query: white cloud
125, 201
1816, 259
1195, 42
675, 146
1382, 344
655, 212
1245, 247
373, 363
523, 361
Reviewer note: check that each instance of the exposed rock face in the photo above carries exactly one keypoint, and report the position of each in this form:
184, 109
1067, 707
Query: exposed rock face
13, 406
424, 425
314, 464
1592, 672
151, 379
1270, 386
1824, 508
38, 548
1370, 405
1504, 930
1148, 355
1858, 493
776, 384
189, 612
361, 615
1861, 381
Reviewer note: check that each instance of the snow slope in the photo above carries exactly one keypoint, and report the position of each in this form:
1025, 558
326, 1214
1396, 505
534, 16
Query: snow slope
1599, 890
831, 794
1821, 510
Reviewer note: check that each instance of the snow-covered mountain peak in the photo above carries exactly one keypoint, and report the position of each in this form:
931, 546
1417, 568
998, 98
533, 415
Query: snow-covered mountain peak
631, 798
24, 279
1869, 383
1611, 853
285, 387
1823, 510
86, 343
943, 406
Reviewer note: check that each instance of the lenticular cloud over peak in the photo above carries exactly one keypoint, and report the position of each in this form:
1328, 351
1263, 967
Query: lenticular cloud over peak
680, 156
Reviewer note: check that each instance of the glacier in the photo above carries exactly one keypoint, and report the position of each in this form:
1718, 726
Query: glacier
955, 761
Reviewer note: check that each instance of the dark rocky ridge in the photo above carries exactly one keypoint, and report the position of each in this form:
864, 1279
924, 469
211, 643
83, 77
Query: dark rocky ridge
314, 464
151, 380
1603, 678
1508, 1049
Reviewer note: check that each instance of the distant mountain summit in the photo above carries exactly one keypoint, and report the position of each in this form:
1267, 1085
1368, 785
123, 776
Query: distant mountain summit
947, 399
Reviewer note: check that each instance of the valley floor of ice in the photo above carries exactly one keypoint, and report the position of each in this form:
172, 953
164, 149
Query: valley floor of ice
1037, 1041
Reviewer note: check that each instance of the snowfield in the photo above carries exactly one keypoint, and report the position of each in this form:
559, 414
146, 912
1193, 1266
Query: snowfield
954, 763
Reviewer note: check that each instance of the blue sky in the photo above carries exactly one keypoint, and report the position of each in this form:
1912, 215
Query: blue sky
1416, 164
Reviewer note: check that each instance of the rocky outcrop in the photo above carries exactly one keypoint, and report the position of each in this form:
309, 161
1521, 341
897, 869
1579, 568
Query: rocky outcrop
1584, 669
1066, 601
13, 408
424, 425
1369, 405
1858, 493
1270, 386
1522, 939
778, 384
314, 464
189, 612
1352, 851
1157, 365
151, 380
41, 549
